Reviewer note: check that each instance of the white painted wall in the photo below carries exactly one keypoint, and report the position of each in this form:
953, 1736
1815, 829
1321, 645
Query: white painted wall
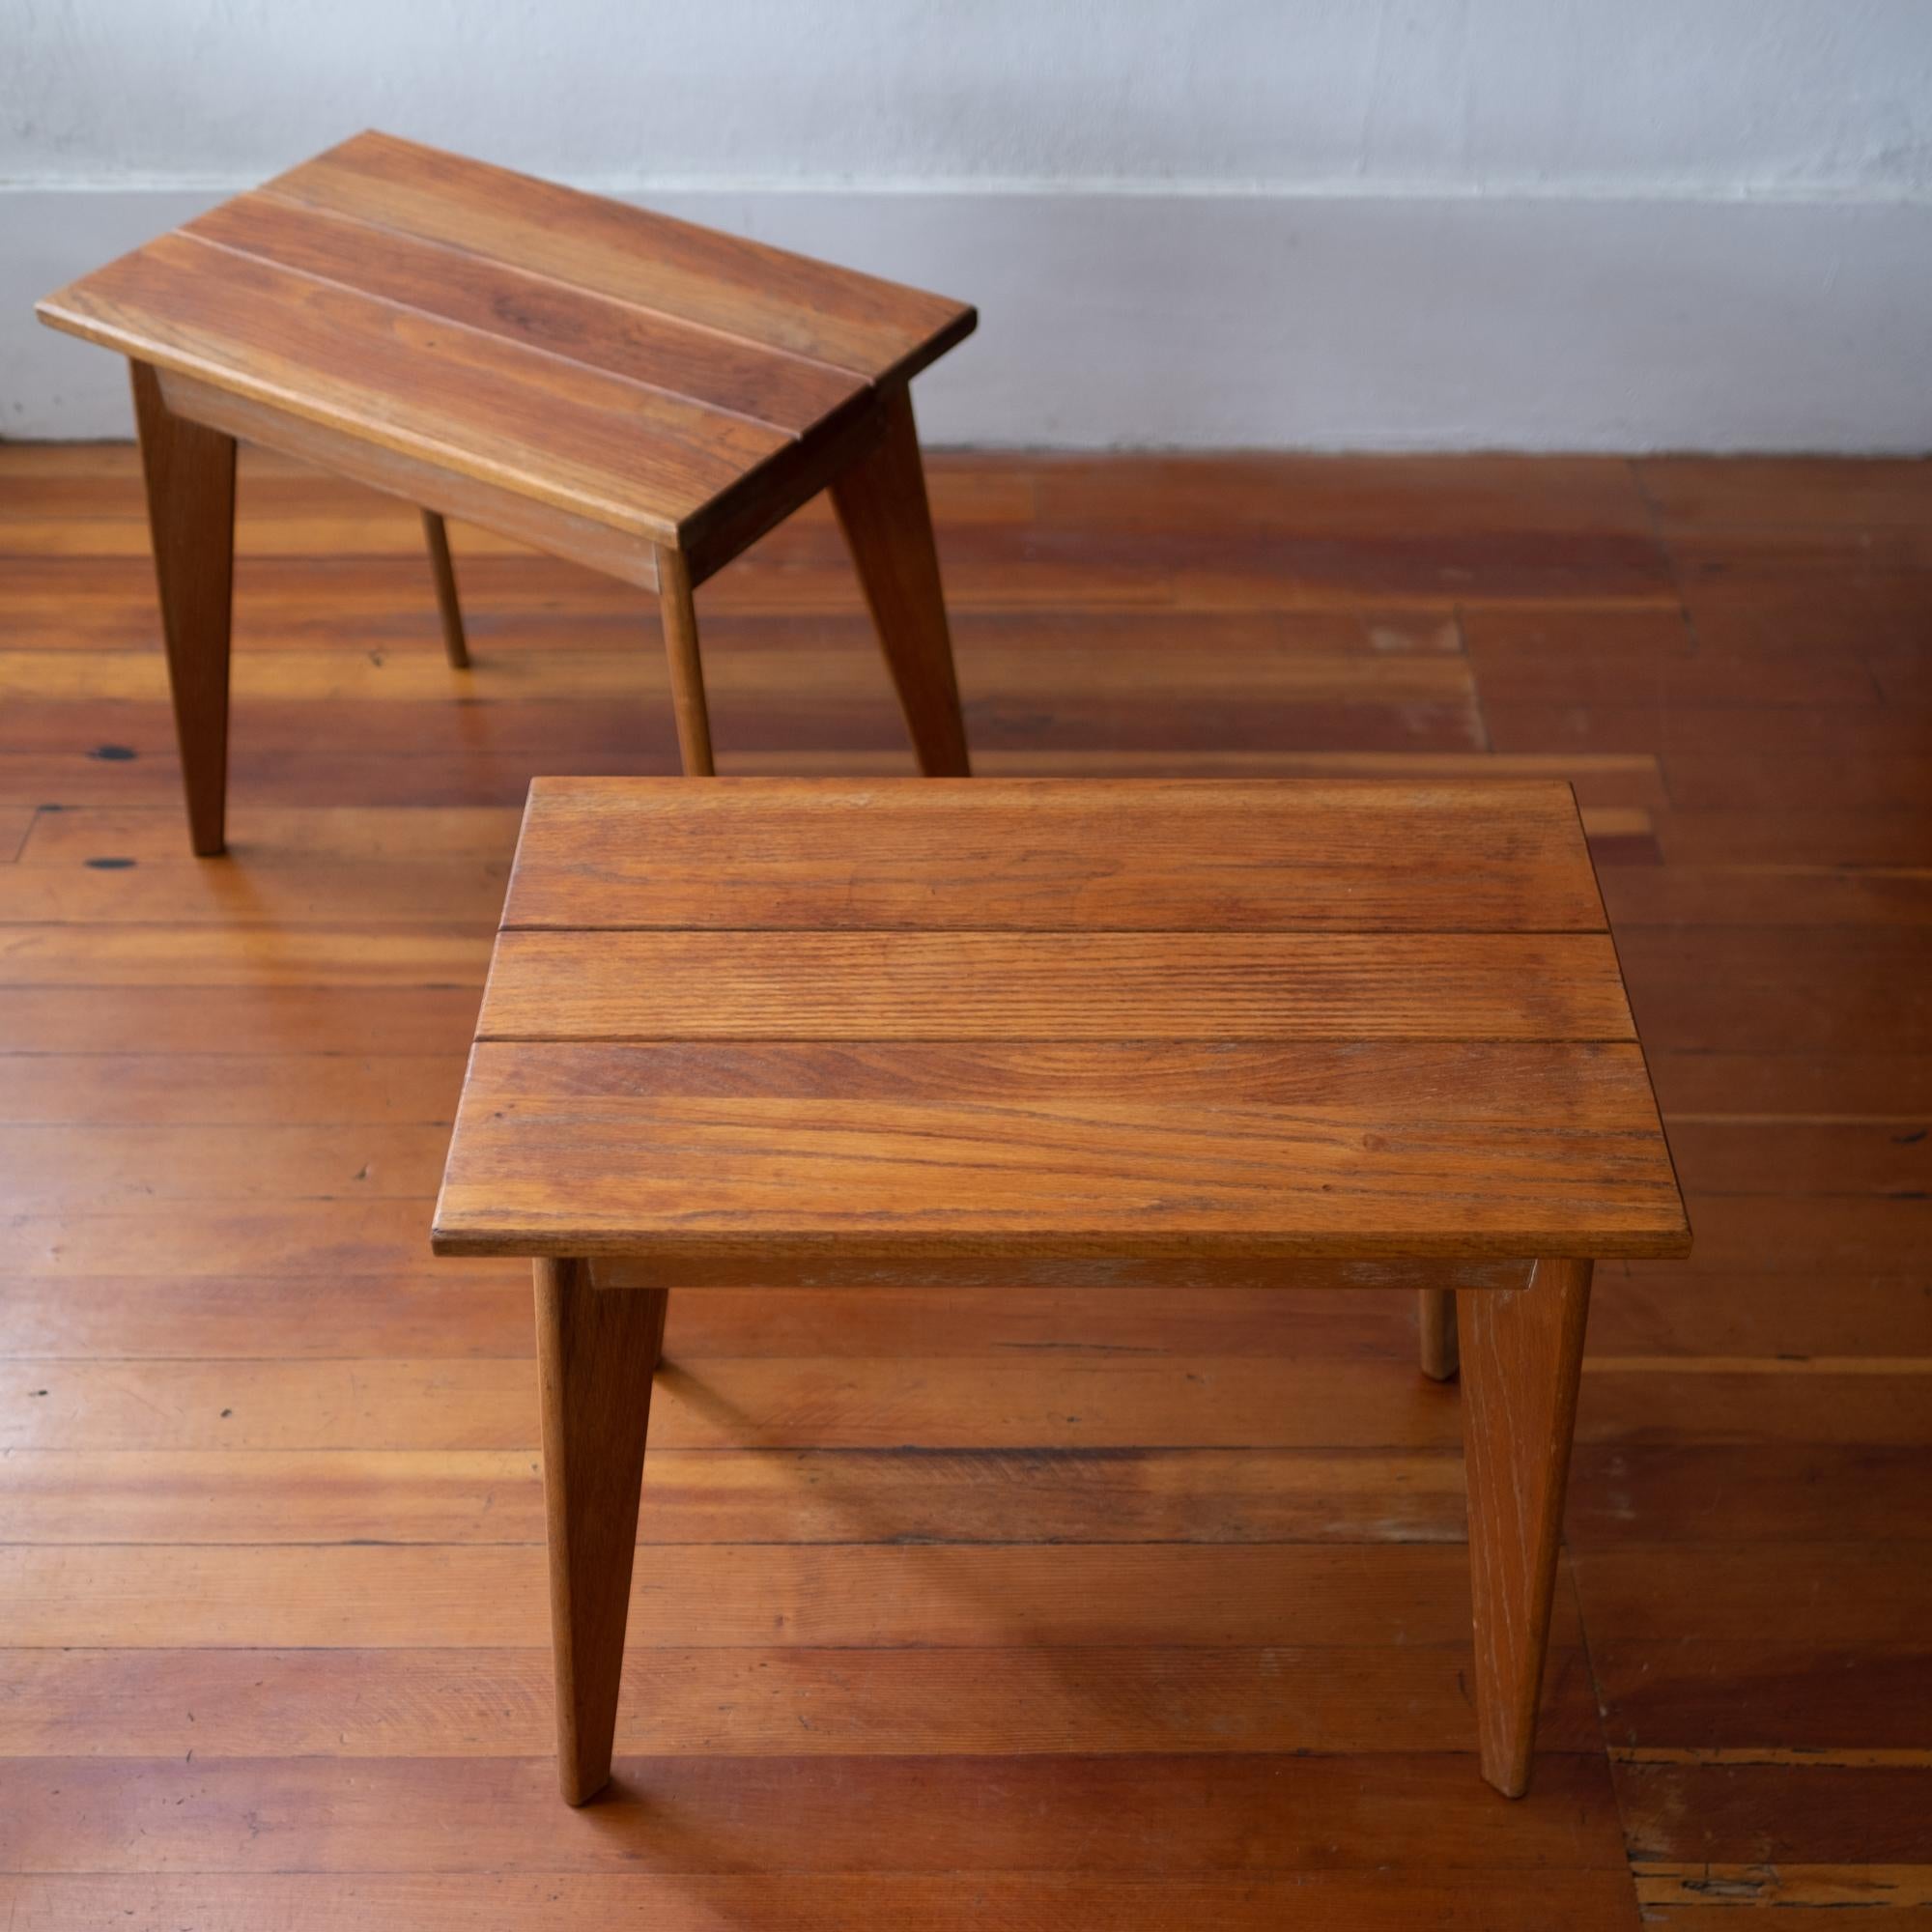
1369, 224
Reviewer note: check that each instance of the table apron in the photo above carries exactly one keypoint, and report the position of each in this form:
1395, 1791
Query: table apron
1123, 1273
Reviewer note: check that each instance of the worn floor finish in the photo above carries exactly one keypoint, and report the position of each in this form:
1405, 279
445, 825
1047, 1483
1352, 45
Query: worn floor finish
959, 1609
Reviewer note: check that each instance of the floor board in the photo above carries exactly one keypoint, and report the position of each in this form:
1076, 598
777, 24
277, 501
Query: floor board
957, 1607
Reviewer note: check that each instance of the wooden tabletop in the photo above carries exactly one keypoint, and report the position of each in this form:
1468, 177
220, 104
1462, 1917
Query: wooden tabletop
772, 1031
615, 365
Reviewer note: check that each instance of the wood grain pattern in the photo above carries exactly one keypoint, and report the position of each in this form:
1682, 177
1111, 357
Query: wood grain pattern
1249, 1813
785, 302
494, 293
1040, 856
1577, 1085
721, 1495
1857, 1815
1204, 985
1041, 1147
837, 1402
1739, 1533
749, 1402
794, 1182
857, 1595
1322, 1901
767, 1702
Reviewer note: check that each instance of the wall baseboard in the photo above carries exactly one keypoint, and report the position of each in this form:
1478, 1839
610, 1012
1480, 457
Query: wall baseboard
1305, 321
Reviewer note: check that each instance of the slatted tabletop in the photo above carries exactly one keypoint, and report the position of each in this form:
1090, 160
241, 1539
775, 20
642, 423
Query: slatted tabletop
778, 1030
614, 363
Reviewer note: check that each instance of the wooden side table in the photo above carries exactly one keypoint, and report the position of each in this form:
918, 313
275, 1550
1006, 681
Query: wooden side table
626, 390
1137, 1034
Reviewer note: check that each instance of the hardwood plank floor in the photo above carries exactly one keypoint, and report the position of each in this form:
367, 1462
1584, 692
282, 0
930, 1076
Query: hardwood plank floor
953, 1607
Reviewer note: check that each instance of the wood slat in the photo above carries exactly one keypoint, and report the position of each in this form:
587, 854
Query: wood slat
215, 1238
590, 445
65, 1165
1039, 856
1241, 1813
1028, 1399
110, 1089
1565, 1085
70, 957
1800, 496
302, 772
743, 1402
1084, 985
1820, 1235
1849, 1084
720, 1495
495, 745
575, 324
744, 289
857, 1596
1682, 1895
1877, 1402
1717, 1697
1734, 1813
766, 1702
1832, 1593
1566, 1154
1755, 1156
1726, 895
251, 1018
1317, 1901
478, 1310
840, 652
360, 836
1647, 1312
1750, 1491
111, 889
482, 1308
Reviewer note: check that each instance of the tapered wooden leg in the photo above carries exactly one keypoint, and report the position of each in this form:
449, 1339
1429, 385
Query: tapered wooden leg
1435, 1326
1522, 1358
190, 477
882, 507
442, 568
596, 1352
687, 671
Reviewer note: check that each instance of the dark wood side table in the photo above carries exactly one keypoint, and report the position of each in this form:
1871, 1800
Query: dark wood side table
636, 393
773, 1032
